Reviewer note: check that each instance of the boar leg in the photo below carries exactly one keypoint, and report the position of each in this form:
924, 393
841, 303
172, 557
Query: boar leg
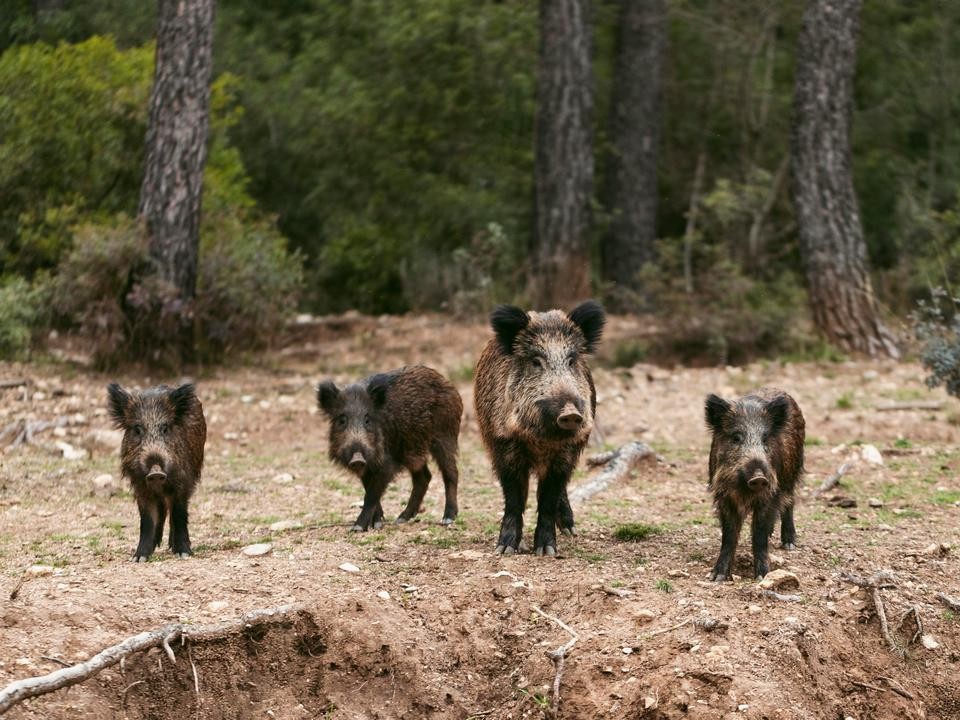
161, 519
179, 535
446, 458
763, 521
149, 513
565, 514
373, 488
421, 480
550, 487
731, 521
513, 470
788, 533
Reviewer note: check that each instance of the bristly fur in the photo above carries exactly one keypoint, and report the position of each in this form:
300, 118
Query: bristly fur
759, 436
162, 427
395, 420
532, 370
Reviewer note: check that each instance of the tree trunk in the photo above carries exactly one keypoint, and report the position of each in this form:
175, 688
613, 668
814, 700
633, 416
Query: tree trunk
634, 134
177, 141
831, 237
560, 269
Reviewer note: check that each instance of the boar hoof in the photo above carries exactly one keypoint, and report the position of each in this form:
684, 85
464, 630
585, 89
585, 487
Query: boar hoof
549, 550
505, 550
568, 530
139, 558
378, 524
401, 520
788, 546
358, 528
447, 521
719, 577
184, 555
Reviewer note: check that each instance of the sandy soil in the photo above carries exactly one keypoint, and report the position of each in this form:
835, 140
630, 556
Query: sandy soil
434, 625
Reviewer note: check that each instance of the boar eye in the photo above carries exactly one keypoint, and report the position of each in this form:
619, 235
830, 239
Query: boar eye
165, 428
341, 421
737, 437
572, 360
537, 362
367, 421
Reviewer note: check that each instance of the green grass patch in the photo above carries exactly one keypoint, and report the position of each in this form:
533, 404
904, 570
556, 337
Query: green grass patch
845, 402
634, 532
664, 585
902, 443
811, 441
464, 373
947, 497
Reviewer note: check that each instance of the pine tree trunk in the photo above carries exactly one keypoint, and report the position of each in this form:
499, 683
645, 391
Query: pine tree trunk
176, 147
560, 271
831, 236
631, 191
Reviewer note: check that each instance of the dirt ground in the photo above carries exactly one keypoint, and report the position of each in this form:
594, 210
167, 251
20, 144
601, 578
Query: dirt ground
434, 625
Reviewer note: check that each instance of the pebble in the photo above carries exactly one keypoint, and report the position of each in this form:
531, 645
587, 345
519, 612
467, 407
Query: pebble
39, 570
70, 452
246, 399
264, 404
627, 650
929, 642
231, 436
780, 580
257, 549
282, 525
644, 616
754, 609
871, 455
875, 502
217, 605
349, 567
105, 486
283, 478
870, 375
383, 595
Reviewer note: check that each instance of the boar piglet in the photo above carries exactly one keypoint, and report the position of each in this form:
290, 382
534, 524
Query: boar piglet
535, 404
392, 421
756, 462
162, 455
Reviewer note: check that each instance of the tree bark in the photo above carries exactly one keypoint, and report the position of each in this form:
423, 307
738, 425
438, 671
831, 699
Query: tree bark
176, 146
831, 236
560, 268
634, 133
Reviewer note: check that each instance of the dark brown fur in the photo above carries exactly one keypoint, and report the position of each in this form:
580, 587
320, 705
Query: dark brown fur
164, 432
756, 463
395, 420
533, 373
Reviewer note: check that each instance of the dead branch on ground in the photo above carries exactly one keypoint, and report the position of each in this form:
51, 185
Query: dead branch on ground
834, 480
877, 582
911, 405
18, 691
558, 656
617, 465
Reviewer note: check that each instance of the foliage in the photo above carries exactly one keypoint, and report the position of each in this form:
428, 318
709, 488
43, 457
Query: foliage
634, 532
936, 324
23, 309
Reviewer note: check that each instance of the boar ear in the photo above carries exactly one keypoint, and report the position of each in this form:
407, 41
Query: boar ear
715, 409
777, 410
507, 321
182, 399
118, 399
327, 395
377, 389
590, 318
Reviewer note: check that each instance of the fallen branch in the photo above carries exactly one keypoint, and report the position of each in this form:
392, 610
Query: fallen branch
834, 480
23, 431
18, 691
949, 601
8, 384
877, 582
896, 687
911, 405
773, 595
558, 656
617, 592
884, 627
669, 629
617, 465
868, 686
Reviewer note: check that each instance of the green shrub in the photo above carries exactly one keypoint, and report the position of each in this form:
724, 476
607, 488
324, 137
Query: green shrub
23, 309
634, 532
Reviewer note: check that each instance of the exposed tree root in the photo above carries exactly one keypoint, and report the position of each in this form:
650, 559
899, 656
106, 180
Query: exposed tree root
558, 656
877, 582
17, 692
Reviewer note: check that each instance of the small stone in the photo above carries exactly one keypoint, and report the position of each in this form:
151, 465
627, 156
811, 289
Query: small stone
383, 595
875, 502
60, 432
929, 642
282, 525
70, 452
649, 702
870, 375
246, 399
283, 478
832, 608
257, 549
105, 440
468, 554
780, 580
349, 567
627, 650
264, 404
871, 455
38, 396
644, 616
754, 609
791, 620
775, 560
936, 550
231, 436
39, 570
743, 707
217, 605
105, 486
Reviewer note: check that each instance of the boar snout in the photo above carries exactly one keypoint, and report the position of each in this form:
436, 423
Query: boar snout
156, 473
357, 462
570, 418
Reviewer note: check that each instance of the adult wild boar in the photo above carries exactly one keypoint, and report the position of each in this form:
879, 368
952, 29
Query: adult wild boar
535, 403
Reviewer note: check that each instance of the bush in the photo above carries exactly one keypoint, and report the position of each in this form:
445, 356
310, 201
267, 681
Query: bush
936, 325
22, 312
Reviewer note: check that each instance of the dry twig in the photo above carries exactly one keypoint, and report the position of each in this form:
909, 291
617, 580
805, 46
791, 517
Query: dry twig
896, 687
773, 595
911, 405
617, 465
559, 655
672, 627
20, 690
832, 481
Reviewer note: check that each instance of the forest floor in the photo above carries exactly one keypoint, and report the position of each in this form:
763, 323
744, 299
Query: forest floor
433, 624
